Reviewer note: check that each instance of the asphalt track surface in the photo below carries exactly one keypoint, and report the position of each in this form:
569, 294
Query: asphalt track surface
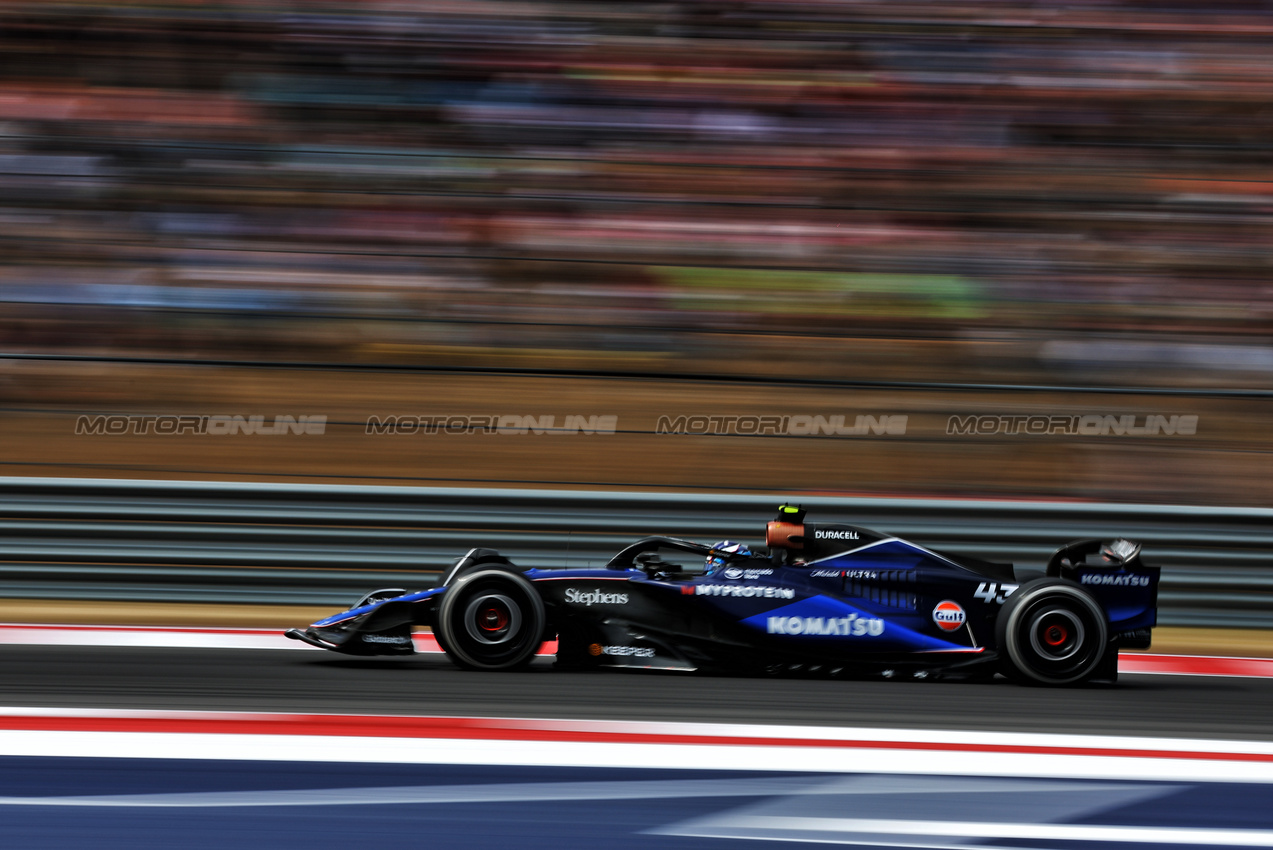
318, 682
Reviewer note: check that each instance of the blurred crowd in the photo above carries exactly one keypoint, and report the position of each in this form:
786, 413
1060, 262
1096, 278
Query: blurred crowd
911, 188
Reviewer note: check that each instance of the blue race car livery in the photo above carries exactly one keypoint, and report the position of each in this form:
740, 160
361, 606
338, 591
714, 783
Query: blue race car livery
823, 599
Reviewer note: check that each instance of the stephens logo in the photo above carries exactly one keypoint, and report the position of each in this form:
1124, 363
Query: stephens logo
948, 615
576, 596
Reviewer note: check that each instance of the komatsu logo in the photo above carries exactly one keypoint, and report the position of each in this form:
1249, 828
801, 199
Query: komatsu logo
595, 597
1116, 580
738, 590
820, 534
850, 626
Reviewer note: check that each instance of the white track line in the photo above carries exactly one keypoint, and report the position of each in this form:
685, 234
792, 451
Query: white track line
572, 743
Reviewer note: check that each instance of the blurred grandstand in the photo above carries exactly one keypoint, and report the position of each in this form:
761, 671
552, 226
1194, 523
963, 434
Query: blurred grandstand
1011, 190
1072, 194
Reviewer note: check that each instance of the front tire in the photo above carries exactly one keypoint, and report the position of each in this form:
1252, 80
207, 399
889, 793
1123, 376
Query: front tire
490, 620
1052, 632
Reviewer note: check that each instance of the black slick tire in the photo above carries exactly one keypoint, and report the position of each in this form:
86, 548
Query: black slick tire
1052, 632
490, 620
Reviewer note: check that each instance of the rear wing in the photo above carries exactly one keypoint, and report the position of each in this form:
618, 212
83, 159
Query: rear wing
1112, 571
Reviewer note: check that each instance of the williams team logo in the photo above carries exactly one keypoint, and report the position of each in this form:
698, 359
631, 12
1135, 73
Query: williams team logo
948, 615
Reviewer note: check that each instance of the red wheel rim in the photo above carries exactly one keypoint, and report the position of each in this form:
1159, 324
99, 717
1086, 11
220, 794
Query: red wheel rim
492, 619
1055, 635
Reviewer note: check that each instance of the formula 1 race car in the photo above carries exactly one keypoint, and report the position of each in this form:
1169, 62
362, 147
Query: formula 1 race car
824, 599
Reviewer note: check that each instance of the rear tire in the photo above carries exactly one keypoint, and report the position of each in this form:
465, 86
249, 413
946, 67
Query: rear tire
490, 620
1052, 632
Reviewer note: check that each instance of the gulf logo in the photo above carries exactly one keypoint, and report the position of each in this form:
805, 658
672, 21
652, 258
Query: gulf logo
948, 615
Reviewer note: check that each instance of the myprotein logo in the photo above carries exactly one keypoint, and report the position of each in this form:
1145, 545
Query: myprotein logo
850, 626
949, 615
1115, 580
738, 590
575, 596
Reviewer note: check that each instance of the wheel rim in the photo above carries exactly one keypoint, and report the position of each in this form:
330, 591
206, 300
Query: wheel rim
1052, 633
1056, 634
492, 619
